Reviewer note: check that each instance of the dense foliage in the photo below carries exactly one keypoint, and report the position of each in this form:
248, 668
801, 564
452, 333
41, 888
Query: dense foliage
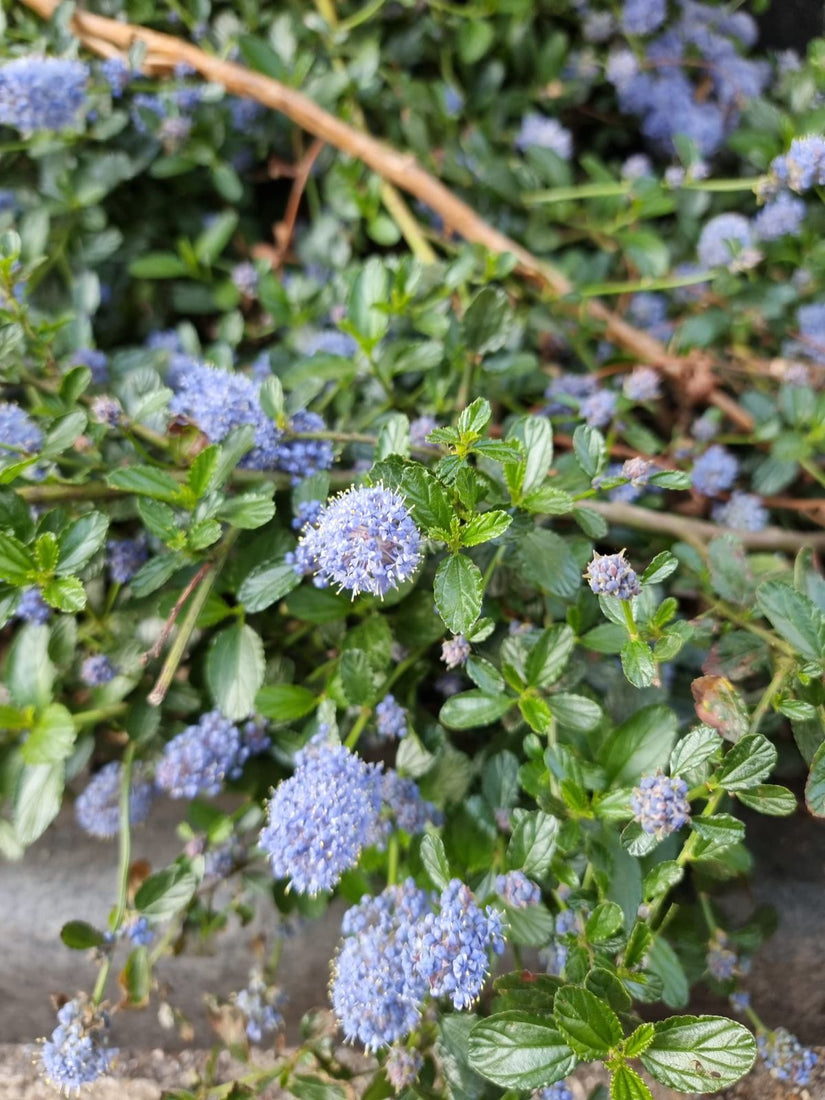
473, 614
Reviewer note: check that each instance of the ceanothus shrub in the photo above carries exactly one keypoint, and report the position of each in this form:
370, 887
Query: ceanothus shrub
474, 587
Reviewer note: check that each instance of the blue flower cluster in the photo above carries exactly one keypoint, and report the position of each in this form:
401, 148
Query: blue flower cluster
785, 1056
450, 949
200, 758
649, 311
714, 471
363, 540
782, 217
31, 607
124, 557
612, 575
390, 719
559, 1091
307, 512
660, 804
376, 997
320, 818
96, 361
42, 93
567, 390
540, 132
455, 651
261, 1006
97, 809
802, 167
402, 1066
642, 384
811, 321
598, 409
117, 75
402, 807
517, 890
743, 512
107, 410
703, 40
219, 400
97, 670
18, 432
328, 341
245, 278
138, 932
727, 241
721, 960
420, 428
77, 1051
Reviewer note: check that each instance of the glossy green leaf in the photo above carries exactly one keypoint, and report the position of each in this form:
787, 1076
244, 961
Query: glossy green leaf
588, 1025
266, 584
458, 590
533, 842
284, 702
519, 1050
472, 709
749, 762
235, 670
794, 616
699, 1053
626, 1084
434, 858
166, 892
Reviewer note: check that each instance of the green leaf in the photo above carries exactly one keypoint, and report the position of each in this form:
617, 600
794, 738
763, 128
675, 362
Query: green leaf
425, 496
305, 1087
238, 443
485, 528
367, 311
520, 1051
159, 520
661, 878
260, 56
546, 561
166, 892
434, 858
664, 963
357, 677
458, 590
590, 450
156, 572
484, 675
249, 510
81, 541
471, 709
485, 324
815, 785
235, 670
590, 1027
639, 1040
638, 664
16, 561
266, 584
284, 702
639, 745
576, 712
626, 1084
533, 842
794, 616
473, 419
536, 436
64, 432
38, 799
749, 762
65, 593
699, 1053
29, 671
549, 655
592, 523
660, 568
535, 713
145, 481
717, 833
692, 751
604, 922
202, 471
211, 242
52, 737
548, 501
770, 799
158, 265
79, 935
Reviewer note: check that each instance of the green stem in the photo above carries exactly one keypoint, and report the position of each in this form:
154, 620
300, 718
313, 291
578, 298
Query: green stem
782, 670
740, 620
99, 714
630, 622
812, 469
123, 863
199, 598
686, 853
392, 860
366, 711
707, 912
495, 561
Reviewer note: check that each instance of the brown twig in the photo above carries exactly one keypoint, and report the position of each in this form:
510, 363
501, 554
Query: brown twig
284, 229
700, 530
172, 617
165, 51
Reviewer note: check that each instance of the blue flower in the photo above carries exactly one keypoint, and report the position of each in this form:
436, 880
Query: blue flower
559, 1091
95, 360
455, 651
245, 278
77, 1052
721, 960
539, 132
117, 75
785, 1056
726, 241
743, 512
450, 949
97, 809
660, 804
300, 458
811, 321
320, 818
782, 217
598, 409
17, 431
517, 890
200, 758
138, 932
42, 93
402, 1066
376, 997
714, 471
124, 557
612, 575
643, 16
31, 607
803, 166
391, 719
97, 670
107, 410
261, 1006
364, 540
642, 384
